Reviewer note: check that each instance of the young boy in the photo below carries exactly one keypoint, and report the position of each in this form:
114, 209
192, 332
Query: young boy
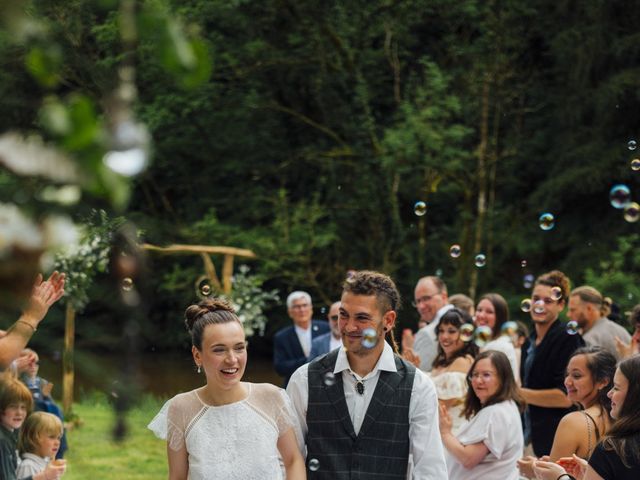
15, 404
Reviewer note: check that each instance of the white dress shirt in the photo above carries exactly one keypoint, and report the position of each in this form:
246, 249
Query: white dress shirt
304, 337
425, 445
425, 344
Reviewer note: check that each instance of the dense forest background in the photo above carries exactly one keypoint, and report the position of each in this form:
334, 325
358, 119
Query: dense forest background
322, 123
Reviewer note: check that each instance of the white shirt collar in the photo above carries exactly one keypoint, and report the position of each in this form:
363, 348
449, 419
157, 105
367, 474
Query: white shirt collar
302, 331
386, 361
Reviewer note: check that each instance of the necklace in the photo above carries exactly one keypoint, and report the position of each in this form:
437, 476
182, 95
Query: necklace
359, 385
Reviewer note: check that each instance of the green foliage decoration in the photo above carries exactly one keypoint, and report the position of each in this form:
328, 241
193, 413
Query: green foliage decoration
88, 258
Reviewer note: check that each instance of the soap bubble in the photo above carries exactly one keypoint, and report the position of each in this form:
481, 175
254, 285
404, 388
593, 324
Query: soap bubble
204, 287
523, 263
620, 196
480, 260
572, 327
525, 305
482, 335
546, 221
632, 145
635, 164
632, 212
509, 328
369, 338
314, 465
329, 379
527, 280
466, 332
455, 250
126, 284
556, 293
420, 208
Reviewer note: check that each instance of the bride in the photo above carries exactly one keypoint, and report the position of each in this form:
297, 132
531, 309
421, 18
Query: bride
228, 428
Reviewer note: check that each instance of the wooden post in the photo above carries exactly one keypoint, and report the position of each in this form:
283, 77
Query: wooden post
227, 272
67, 359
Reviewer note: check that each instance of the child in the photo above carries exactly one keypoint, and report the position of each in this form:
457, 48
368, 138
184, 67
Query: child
15, 404
41, 391
38, 444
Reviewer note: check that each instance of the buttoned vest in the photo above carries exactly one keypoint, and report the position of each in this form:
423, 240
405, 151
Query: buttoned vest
381, 448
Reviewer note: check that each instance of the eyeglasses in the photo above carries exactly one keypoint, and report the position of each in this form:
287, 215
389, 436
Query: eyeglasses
423, 299
486, 376
299, 306
334, 318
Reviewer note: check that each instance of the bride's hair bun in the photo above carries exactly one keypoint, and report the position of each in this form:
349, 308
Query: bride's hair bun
209, 311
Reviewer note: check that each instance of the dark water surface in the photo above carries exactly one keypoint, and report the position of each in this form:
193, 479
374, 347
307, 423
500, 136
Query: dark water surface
160, 374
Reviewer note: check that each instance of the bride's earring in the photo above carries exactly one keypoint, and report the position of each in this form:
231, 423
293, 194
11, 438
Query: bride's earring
199, 368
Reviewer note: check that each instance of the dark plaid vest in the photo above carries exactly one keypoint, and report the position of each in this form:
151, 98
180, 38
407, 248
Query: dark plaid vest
381, 449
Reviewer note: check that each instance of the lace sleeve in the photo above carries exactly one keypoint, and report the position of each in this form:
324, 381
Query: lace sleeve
285, 417
450, 385
171, 422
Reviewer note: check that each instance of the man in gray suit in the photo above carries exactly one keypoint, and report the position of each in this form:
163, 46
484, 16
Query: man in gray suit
330, 340
364, 410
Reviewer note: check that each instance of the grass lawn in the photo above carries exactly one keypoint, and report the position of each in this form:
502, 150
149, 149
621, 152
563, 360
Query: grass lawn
94, 455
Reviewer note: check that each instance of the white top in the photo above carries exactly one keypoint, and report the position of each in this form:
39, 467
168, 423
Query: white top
304, 337
504, 344
453, 386
425, 343
31, 464
237, 441
498, 427
424, 432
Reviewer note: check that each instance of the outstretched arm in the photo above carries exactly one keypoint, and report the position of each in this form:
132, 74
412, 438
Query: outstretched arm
44, 295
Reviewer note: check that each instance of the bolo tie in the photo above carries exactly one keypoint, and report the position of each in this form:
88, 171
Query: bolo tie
359, 385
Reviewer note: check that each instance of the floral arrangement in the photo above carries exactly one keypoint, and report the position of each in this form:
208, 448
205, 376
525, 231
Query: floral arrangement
249, 300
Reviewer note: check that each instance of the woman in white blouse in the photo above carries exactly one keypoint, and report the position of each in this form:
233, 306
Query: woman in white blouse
228, 428
489, 445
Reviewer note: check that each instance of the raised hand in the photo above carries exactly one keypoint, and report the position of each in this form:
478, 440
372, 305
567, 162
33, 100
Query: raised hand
43, 295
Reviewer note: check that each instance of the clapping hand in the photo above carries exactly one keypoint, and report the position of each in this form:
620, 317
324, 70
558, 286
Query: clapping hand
410, 356
43, 295
625, 350
446, 423
574, 465
547, 470
525, 465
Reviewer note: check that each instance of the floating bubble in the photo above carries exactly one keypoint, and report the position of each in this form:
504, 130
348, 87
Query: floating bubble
527, 280
547, 221
509, 328
329, 379
455, 250
525, 305
482, 335
369, 338
632, 212
323, 310
538, 306
523, 263
203, 287
439, 272
635, 164
480, 260
126, 284
466, 332
632, 145
572, 327
314, 465
420, 208
619, 196
556, 293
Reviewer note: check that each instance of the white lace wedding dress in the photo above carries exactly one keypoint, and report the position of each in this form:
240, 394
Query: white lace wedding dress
236, 441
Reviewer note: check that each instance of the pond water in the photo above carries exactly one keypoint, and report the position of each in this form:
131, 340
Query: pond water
160, 374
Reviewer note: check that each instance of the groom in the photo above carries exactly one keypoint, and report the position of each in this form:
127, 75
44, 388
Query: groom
362, 408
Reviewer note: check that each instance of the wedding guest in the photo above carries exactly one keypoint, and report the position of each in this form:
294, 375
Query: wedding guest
489, 445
